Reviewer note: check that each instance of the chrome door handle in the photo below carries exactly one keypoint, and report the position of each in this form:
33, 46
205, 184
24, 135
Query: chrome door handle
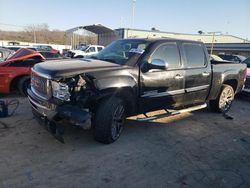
205, 74
178, 76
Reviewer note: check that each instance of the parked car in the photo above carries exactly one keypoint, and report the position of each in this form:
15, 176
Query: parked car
247, 83
85, 51
51, 56
130, 77
65, 52
5, 53
46, 48
234, 58
15, 71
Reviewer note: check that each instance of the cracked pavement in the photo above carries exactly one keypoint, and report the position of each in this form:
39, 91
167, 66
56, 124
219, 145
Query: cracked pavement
199, 149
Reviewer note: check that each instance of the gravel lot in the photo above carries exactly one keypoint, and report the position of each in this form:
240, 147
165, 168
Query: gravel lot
200, 149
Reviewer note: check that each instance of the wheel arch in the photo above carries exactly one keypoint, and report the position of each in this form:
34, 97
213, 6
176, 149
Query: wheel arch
233, 83
14, 81
127, 94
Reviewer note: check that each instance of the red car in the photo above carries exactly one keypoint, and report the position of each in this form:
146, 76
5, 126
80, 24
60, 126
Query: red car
15, 71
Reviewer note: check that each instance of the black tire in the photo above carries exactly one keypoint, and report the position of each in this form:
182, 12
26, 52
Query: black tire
109, 120
23, 85
224, 100
79, 56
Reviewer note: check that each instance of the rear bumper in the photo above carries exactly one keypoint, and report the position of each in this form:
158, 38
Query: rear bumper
244, 90
52, 112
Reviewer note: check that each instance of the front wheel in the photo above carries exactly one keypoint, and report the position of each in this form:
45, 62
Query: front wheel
224, 100
23, 85
109, 120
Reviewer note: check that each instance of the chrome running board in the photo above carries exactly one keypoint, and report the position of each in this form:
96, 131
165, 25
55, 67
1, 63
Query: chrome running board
168, 114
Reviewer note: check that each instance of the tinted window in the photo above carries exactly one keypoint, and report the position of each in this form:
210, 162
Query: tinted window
99, 48
194, 55
169, 53
123, 52
49, 55
92, 49
229, 58
226, 57
14, 48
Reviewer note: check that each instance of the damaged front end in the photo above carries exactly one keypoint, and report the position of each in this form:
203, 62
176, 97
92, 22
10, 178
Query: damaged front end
56, 100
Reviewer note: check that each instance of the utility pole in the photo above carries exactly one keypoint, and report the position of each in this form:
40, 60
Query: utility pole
213, 40
34, 33
212, 46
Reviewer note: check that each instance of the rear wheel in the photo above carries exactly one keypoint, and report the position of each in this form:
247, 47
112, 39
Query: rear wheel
224, 101
23, 85
109, 120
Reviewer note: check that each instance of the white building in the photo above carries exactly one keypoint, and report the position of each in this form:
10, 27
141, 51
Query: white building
123, 33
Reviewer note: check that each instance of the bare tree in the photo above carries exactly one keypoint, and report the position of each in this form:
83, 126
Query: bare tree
40, 33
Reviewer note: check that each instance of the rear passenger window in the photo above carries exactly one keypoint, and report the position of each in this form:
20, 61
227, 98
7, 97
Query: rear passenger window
194, 55
99, 49
169, 53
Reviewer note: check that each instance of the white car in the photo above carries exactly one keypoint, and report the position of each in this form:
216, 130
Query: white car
85, 51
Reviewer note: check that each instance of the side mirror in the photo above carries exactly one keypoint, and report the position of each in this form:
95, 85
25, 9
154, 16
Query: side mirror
158, 64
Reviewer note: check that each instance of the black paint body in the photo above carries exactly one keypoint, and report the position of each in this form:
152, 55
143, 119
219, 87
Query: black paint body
144, 89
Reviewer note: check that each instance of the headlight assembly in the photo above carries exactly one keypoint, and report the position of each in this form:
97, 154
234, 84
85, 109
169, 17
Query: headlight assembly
60, 91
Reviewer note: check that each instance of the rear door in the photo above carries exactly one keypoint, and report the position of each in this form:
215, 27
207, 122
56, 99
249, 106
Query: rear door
91, 51
163, 88
197, 72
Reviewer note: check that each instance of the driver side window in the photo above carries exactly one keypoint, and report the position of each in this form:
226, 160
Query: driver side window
91, 49
168, 53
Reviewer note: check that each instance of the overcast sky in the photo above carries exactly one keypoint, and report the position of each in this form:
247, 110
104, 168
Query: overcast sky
183, 16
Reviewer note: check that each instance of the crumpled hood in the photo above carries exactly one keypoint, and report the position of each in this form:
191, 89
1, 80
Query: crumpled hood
69, 67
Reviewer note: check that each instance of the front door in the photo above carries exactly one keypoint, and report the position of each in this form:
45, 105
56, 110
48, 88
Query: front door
163, 88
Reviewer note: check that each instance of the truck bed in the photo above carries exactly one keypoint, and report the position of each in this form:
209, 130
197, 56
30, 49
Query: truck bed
222, 71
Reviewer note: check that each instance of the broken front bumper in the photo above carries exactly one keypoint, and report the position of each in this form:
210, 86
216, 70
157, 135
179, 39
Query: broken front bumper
46, 109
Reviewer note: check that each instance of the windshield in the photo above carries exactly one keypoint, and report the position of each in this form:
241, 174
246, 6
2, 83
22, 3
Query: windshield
122, 51
83, 48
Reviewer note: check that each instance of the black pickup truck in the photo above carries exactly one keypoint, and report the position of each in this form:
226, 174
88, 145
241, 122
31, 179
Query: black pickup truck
129, 77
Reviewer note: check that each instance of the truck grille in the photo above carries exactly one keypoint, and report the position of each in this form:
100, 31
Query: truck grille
40, 85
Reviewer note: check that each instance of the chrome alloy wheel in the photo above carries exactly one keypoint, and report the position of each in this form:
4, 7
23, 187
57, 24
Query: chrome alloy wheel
118, 121
226, 99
